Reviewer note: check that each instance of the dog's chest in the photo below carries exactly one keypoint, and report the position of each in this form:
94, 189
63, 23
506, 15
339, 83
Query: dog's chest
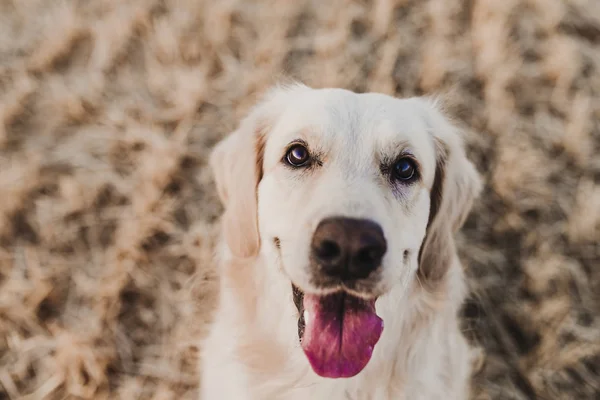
329, 391
377, 384
363, 389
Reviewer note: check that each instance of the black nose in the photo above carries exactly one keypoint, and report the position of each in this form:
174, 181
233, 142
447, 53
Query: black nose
348, 248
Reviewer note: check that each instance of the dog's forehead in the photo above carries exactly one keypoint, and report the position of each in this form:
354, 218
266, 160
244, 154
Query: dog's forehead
345, 112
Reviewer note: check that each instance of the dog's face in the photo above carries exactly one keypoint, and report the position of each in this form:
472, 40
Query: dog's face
349, 195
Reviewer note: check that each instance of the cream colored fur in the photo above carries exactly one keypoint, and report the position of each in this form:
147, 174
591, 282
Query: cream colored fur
252, 350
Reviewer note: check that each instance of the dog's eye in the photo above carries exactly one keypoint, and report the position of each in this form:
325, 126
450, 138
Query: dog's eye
404, 169
297, 155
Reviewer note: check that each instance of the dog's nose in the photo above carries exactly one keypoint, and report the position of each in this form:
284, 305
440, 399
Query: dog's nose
348, 248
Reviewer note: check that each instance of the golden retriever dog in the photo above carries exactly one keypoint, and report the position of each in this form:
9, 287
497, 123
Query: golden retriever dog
339, 276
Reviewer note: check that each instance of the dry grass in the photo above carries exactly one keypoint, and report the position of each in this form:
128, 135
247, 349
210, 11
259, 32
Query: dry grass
108, 110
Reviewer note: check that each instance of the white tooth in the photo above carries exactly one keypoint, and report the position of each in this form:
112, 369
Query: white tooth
305, 316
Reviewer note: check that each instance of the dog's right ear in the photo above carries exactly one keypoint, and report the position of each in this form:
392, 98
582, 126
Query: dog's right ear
237, 166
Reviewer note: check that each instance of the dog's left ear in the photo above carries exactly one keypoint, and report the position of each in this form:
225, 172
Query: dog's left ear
456, 185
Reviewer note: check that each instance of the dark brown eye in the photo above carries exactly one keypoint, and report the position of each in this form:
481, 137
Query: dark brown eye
297, 155
404, 169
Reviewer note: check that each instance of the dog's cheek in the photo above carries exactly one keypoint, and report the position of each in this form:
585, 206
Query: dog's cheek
405, 230
412, 228
282, 223
395, 270
270, 209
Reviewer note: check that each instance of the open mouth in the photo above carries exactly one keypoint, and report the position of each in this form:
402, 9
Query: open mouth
337, 332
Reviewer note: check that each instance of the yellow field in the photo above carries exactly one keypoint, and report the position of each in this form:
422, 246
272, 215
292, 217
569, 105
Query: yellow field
109, 108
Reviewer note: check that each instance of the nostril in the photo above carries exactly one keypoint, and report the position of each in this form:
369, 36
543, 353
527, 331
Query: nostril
328, 250
367, 254
370, 255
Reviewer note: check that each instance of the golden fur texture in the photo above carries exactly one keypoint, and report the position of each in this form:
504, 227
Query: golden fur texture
252, 350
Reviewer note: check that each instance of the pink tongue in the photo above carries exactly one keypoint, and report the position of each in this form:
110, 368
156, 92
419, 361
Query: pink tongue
340, 334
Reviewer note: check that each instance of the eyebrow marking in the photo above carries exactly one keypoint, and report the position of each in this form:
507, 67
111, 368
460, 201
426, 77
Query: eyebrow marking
389, 154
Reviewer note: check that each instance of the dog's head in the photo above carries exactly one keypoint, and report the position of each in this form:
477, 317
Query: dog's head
349, 195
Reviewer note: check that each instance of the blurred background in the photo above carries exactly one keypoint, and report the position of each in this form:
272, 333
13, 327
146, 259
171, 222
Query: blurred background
109, 108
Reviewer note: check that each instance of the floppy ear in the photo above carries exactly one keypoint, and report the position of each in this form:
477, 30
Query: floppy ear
456, 185
237, 166
236, 163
